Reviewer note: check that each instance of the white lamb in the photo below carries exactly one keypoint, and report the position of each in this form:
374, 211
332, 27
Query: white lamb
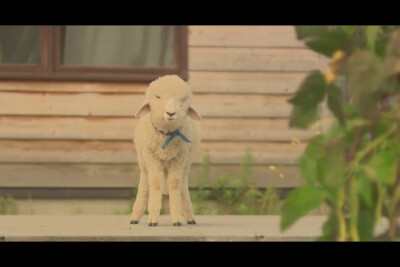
165, 139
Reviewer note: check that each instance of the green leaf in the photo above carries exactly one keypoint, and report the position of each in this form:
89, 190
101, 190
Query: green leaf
311, 91
309, 31
382, 127
392, 85
348, 29
364, 78
364, 188
383, 166
299, 203
313, 163
364, 72
323, 39
315, 147
381, 43
335, 100
365, 225
336, 129
355, 123
303, 117
309, 169
391, 64
329, 229
371, 33
334, 163
323, 161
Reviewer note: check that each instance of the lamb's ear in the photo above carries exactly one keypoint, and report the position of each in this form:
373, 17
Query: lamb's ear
143, 110
192, 113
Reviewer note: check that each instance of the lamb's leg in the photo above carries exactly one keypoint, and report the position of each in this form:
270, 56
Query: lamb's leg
175, 176
186, 201
156, 182
143, 194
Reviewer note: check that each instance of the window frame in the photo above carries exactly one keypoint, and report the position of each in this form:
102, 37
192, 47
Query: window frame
51, 68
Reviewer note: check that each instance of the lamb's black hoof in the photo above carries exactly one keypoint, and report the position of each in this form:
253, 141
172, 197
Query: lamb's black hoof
177, 224
134, 222
192, 222
152, 224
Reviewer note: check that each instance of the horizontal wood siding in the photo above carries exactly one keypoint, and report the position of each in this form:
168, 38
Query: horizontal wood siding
244, 36
125, 105
122, 129
124, 152
201, 82
252, 59
127, 175
229, 82
74, 135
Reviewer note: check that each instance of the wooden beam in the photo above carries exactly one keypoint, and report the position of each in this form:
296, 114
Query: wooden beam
243, 36
67, 193
116, 176
125, 105
245, 82
122, 129
200, 81
71, 87
252, 59
124, 152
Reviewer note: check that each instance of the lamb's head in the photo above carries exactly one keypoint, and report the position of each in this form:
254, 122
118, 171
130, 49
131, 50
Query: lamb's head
168, 99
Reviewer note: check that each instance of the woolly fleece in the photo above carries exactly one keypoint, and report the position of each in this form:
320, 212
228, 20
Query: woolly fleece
165, 170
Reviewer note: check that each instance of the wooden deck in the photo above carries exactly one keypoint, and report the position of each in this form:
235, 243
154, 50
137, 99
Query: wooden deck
117, 228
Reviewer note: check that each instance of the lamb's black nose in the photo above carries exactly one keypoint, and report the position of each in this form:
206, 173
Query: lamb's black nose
171, 114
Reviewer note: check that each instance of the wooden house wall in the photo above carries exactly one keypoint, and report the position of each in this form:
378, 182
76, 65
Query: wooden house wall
78, 135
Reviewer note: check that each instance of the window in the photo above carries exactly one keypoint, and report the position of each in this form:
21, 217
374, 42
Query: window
92, 53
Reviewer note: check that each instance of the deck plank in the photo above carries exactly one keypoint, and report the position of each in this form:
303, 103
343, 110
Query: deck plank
117, 228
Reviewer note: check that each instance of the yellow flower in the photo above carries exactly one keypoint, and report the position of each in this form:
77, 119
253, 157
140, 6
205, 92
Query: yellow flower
281, 175
295, 141
338, 55
329, 76
334, 66
272, 167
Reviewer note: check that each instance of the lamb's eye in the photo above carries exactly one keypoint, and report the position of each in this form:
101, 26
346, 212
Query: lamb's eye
158, 96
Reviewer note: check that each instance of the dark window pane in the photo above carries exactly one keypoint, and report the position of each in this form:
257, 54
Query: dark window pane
119, 46
19, 45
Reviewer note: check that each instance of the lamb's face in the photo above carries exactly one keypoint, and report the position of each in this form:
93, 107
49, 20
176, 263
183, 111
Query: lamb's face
168, 100
169, 105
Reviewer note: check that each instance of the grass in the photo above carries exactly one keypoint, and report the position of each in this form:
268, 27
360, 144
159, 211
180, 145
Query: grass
8, 206
230, 194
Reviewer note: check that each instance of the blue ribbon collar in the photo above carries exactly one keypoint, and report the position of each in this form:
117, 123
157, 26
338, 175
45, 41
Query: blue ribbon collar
171, 135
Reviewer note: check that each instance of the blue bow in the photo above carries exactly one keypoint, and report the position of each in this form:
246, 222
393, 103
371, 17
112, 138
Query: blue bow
171, 136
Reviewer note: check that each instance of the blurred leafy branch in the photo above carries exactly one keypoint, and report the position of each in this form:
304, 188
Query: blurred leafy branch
354, 167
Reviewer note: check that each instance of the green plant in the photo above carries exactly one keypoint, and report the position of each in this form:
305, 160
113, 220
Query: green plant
201, 195
354, 167
232, 195
8, 206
